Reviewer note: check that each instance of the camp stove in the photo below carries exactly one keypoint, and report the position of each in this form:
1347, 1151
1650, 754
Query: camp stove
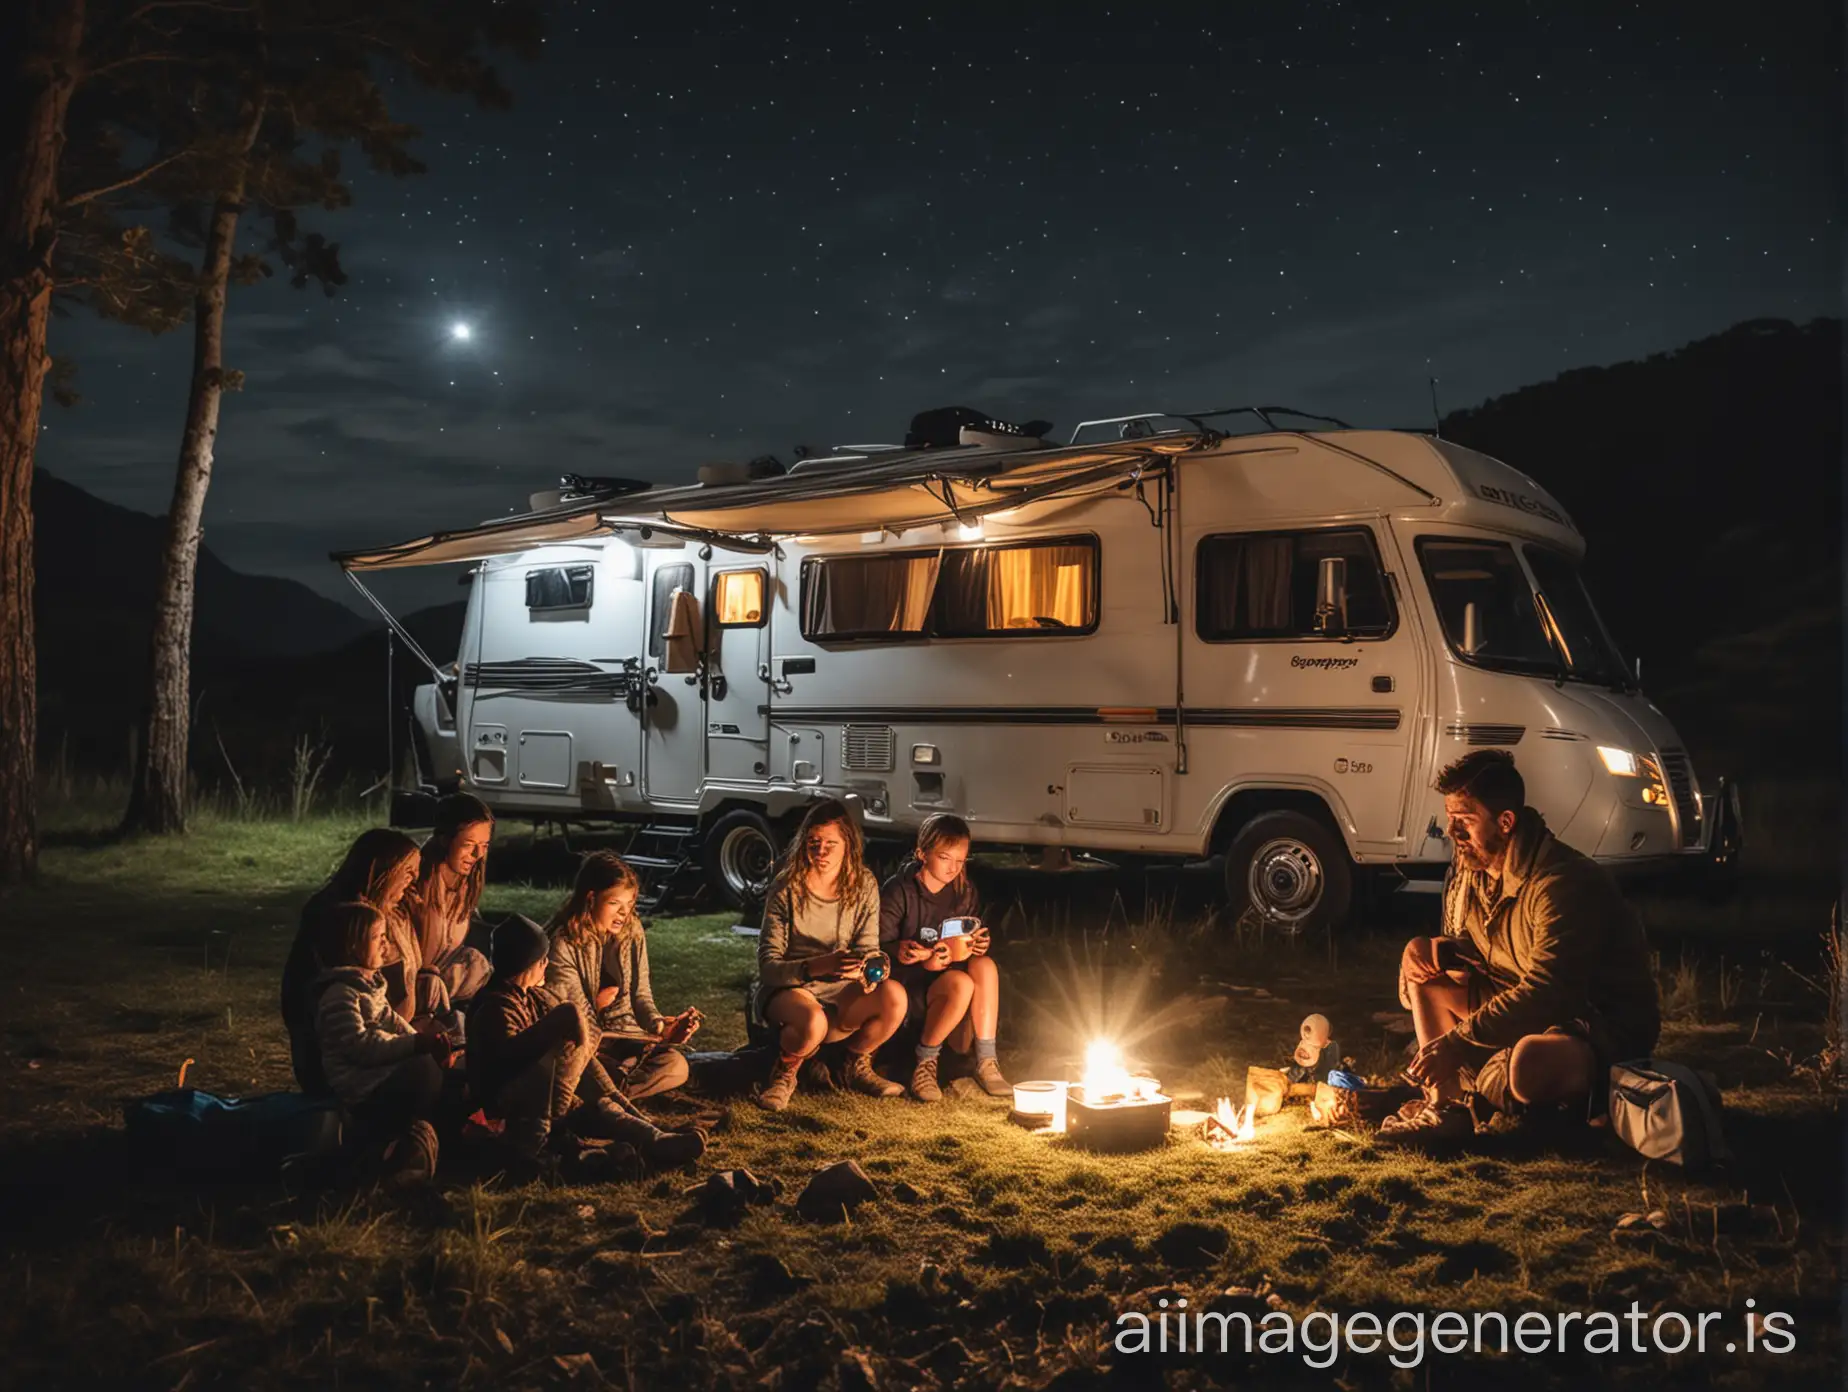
1111, 1110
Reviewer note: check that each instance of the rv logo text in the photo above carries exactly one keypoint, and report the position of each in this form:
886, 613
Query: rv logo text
1352, 766
1135, 737
1520, 502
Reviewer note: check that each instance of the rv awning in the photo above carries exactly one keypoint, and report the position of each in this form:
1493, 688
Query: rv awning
913, 489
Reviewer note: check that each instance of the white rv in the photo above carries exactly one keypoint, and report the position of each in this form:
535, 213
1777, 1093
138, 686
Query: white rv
1177, 642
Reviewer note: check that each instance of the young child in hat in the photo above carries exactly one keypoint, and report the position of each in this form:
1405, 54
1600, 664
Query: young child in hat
531, 1063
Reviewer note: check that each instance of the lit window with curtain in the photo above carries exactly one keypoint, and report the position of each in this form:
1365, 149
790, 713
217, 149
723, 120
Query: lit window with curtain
1032, 588
738, 598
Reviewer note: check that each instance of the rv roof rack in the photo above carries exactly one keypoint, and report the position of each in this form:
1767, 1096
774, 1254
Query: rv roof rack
582, 486
1139, 427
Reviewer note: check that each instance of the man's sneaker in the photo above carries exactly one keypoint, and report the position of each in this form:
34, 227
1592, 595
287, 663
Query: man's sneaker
988, 1074
924, 1081
861, 1078
781, 1087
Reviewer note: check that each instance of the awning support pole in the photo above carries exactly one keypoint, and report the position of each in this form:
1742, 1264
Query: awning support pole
392, 623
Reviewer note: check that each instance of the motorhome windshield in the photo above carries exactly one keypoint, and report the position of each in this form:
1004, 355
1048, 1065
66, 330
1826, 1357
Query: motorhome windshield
1590, 654
1495, 616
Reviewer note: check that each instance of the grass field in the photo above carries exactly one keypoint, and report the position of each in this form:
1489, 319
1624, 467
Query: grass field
992, 1257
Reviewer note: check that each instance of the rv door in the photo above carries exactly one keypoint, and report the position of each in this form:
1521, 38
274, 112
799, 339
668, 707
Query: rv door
673, 705
737, 614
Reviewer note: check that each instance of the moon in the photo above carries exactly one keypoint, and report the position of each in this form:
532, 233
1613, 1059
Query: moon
461, 332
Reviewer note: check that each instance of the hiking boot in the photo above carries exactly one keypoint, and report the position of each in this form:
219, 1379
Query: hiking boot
672, 1149
988, 1074
586, 1163
924, 1081
530, 1157
861, 1078
412, 1157
781, 1087
1434, 1124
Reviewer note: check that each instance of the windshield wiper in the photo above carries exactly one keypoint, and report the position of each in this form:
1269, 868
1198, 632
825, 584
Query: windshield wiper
1555, 639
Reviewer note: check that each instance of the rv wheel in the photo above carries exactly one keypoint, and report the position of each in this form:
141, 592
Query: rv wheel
740, 857
1292, 871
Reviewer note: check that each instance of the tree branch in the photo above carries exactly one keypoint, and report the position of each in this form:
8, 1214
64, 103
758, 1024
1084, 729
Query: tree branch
90, 195
132, 59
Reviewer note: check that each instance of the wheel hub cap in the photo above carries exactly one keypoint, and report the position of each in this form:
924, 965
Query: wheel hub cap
1286, 880
746, 859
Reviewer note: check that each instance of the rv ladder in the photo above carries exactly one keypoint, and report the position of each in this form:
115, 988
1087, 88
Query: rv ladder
661, 855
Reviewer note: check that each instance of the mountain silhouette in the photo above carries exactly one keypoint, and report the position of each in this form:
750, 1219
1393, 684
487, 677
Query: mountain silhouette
1706, 481
1708, 484
97, 565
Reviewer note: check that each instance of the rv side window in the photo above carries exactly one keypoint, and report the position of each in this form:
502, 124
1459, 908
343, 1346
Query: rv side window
1012, 591
1260, 585
559, 587
738, 599
666, 580
867, 596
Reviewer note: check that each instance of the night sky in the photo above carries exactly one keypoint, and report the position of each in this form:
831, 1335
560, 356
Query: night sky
708, 233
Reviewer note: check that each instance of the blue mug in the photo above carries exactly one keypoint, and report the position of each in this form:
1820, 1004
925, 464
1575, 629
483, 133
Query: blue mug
878, 967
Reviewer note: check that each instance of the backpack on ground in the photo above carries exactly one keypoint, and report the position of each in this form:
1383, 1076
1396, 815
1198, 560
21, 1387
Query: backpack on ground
1667, 1111
202, 1134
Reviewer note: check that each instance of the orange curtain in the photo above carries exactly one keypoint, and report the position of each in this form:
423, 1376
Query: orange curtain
1030, 583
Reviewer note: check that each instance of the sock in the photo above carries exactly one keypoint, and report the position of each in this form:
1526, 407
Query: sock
928, 1052
985, 1048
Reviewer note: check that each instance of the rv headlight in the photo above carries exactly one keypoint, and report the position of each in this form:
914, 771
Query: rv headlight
1618, 761
1625, 763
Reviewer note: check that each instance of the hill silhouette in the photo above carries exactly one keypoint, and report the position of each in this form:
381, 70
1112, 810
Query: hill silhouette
1707, 482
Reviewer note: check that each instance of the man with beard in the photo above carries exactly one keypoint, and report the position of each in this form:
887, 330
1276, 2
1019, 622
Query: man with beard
1540, 980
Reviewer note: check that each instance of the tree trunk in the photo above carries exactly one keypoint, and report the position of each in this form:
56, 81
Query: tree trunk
157, 802
35, 92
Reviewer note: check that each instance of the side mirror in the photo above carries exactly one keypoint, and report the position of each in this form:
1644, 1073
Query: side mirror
1473, 640
1331, 594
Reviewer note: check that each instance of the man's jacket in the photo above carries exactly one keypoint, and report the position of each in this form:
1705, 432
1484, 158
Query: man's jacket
1558, 943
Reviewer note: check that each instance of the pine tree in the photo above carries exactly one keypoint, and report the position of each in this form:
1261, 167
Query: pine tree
42, 39
249, 116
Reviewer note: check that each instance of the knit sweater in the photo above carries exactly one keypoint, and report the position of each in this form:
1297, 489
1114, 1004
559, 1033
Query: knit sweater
579, 967
361, 1038
794, 933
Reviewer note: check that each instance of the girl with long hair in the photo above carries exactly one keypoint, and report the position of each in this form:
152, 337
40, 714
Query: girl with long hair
599, 962
952, 983
388, 1073
821, 921
377, 869
440, 972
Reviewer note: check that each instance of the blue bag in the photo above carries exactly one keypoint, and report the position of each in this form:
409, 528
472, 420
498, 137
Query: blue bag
200, 1133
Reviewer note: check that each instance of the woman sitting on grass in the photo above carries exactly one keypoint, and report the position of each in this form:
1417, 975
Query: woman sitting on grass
378, 868
599, 962
439, 972
953, 984
387, 1073
821, 920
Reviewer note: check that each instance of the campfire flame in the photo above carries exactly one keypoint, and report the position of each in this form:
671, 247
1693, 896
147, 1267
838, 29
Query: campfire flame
1229, 1127
1105, 1075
